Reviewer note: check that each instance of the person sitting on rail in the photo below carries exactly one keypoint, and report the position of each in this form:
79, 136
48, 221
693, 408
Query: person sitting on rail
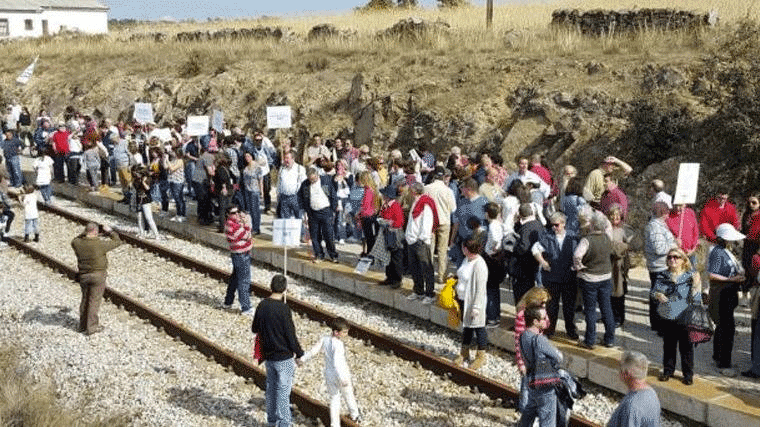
337, 375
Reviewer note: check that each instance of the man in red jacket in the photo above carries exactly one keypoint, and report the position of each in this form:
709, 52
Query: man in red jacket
717, 211
60, 142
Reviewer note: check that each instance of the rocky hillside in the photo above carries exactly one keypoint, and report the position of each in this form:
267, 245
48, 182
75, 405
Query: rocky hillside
654, 98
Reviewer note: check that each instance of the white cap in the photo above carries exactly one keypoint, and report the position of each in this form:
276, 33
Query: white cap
728, 233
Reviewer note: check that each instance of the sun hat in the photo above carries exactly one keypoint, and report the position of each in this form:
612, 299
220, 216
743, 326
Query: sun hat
728, 233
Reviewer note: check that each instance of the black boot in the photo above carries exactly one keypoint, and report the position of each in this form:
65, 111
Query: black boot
26, 238
37, 237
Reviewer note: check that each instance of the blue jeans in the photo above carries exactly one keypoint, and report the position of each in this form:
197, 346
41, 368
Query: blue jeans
598, 293
289, 207
252, 201
179, 198
31, 226
279, 382
13, 164
189, 169
240, 280
542, 403
47, 193
163, 191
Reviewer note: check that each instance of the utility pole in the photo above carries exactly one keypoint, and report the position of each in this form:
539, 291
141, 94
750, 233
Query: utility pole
489, 14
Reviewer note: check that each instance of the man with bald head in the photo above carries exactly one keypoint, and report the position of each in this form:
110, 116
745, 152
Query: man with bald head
92, 264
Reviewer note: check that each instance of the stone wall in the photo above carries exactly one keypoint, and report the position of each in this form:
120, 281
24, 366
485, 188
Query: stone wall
605, 22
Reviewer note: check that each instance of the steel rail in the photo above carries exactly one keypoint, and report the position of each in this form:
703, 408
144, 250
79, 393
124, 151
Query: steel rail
439, 366
239, 365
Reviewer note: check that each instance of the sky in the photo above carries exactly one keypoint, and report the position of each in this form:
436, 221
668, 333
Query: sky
203, 9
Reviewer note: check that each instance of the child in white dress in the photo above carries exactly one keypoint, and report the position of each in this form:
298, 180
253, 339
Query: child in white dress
337, 375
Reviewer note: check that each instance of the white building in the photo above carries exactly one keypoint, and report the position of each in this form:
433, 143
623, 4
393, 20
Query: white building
35, 18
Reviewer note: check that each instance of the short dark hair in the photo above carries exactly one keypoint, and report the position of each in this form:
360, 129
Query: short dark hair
473, 244
492, 210
279, 284
339, 324
532, 314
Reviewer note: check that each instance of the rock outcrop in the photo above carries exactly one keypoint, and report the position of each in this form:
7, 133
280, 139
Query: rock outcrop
607, 22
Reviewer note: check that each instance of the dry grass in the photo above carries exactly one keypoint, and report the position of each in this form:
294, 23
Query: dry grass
29, 404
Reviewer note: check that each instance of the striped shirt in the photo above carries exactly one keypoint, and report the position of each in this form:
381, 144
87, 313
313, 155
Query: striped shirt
238, 235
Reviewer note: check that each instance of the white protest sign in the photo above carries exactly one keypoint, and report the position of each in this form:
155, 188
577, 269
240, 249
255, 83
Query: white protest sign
286, 232
217, 121
164, 134
279, 117
143, 112
686, 188
363, 265
197, 125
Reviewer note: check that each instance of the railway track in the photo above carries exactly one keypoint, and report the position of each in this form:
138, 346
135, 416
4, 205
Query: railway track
440, 366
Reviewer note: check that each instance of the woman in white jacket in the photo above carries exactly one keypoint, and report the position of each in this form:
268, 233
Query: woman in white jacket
472, 276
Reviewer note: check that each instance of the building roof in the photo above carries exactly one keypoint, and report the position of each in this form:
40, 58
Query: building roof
38, 5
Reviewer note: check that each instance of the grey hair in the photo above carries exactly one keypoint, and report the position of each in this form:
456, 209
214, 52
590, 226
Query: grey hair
558, 217
417, 188
635, 364
598, 222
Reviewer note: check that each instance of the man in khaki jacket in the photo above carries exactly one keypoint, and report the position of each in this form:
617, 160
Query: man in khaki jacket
445, 204
92, 263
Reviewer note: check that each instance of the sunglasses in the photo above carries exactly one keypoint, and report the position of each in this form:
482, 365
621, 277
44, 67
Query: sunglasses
673, 257
556, 224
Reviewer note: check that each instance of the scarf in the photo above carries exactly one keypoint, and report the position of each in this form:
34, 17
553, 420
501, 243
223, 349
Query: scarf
426, 200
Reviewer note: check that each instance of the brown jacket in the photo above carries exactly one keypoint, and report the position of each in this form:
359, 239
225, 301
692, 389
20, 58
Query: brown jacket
91, 252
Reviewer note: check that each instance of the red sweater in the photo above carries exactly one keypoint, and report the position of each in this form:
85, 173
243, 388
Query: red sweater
60, 142
393, 213
690, 232
713, 215
238, 236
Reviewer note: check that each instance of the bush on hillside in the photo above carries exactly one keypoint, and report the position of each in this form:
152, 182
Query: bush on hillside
452, 3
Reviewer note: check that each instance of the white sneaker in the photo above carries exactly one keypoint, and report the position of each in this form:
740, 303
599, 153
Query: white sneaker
248, 312
226, 306
173, 219
181, 219
341, 242
728, 372
413, 297
428, 300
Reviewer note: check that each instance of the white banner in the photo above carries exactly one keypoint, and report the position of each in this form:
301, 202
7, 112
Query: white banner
279, 117
197, 125
143, 112
286, 232
164, 134
686, 188
217, 121
25, 75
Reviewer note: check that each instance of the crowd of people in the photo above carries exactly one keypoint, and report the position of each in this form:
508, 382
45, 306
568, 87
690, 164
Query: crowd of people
430, 216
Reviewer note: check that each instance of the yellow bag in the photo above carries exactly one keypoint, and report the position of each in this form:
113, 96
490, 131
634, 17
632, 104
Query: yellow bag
446, 298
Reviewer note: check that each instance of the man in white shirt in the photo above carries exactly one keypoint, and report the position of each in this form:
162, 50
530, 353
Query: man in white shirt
445, 204
419, 236
289, 181
524, 175
318, 199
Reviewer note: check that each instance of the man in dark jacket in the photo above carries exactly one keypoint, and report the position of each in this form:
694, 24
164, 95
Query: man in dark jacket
273, 322
525, 266
319, 200
554, 253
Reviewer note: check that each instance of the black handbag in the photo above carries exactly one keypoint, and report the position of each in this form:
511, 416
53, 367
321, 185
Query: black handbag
698, 323
393, 240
